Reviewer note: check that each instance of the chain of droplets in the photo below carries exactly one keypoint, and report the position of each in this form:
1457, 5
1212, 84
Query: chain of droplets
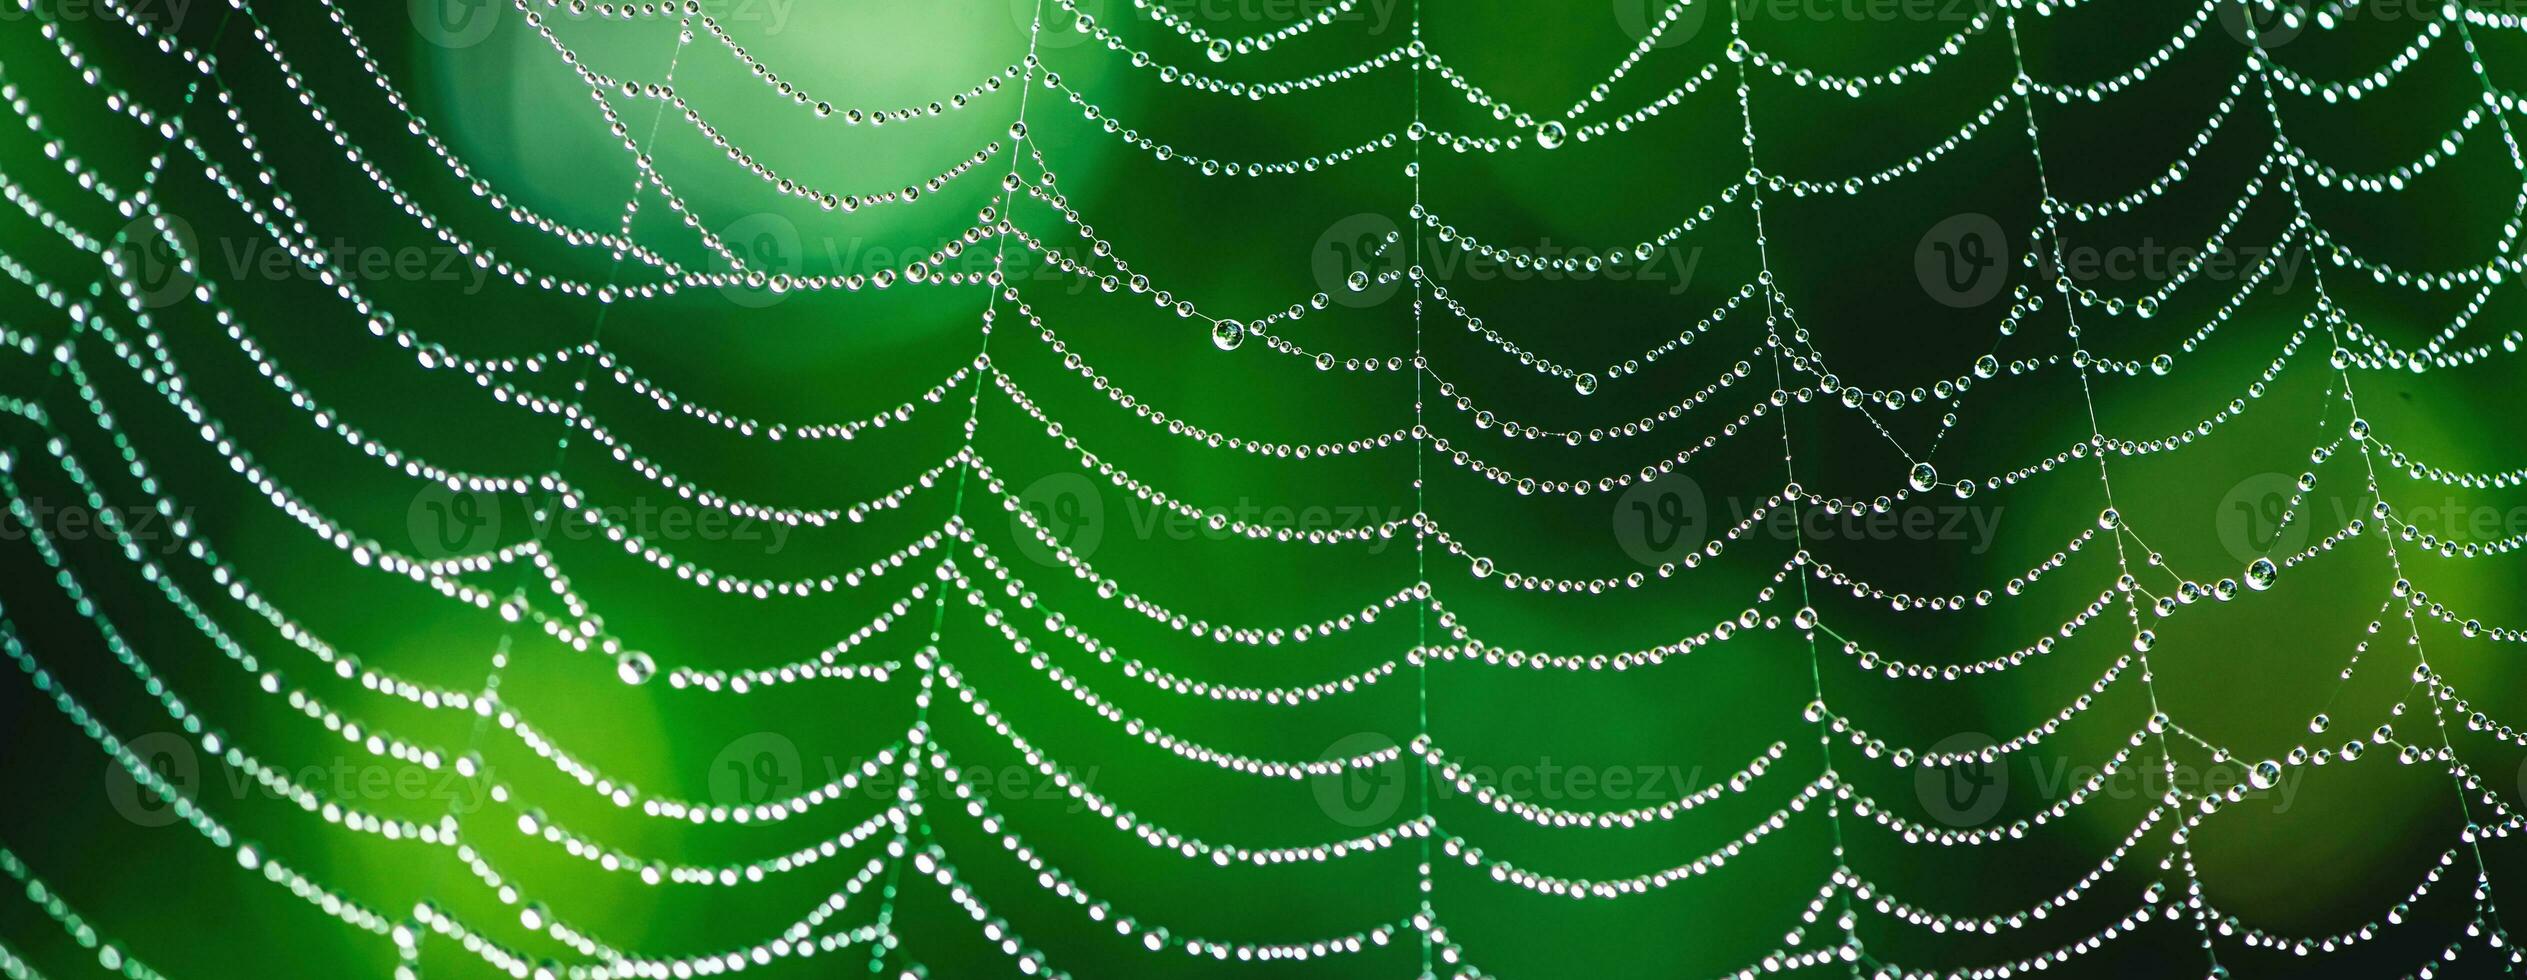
1479, 572
1063, 886
681, 677
110, 955
1215, 520
824, 108
1485, 420
2375, 81
570, 410
1510, 873
1134, 667
2097, 91
1857, 85
2381, 352
154, 785
440, 572
1500, 800
1587, 382
1221, 49
1170, 841
1993, 923
599, 82
1473, 649
419, 127
1105, 709
248, 855
1906, 757
1521, 258
533, 823
347, 666
1223, 633
205, 292
273, 778
304, 247
1140, 408
442, 833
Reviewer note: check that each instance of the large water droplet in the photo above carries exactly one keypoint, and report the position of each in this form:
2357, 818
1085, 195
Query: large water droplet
1923, 477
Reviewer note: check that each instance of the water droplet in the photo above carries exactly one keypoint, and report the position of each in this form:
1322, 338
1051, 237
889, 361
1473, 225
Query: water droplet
1227, 334
1586, 383
2260, 574
635, 667
1550, 134
2265, 775
1923, 477
1482, 568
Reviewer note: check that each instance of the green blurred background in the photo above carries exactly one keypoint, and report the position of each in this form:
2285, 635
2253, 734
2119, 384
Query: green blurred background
2330, 850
